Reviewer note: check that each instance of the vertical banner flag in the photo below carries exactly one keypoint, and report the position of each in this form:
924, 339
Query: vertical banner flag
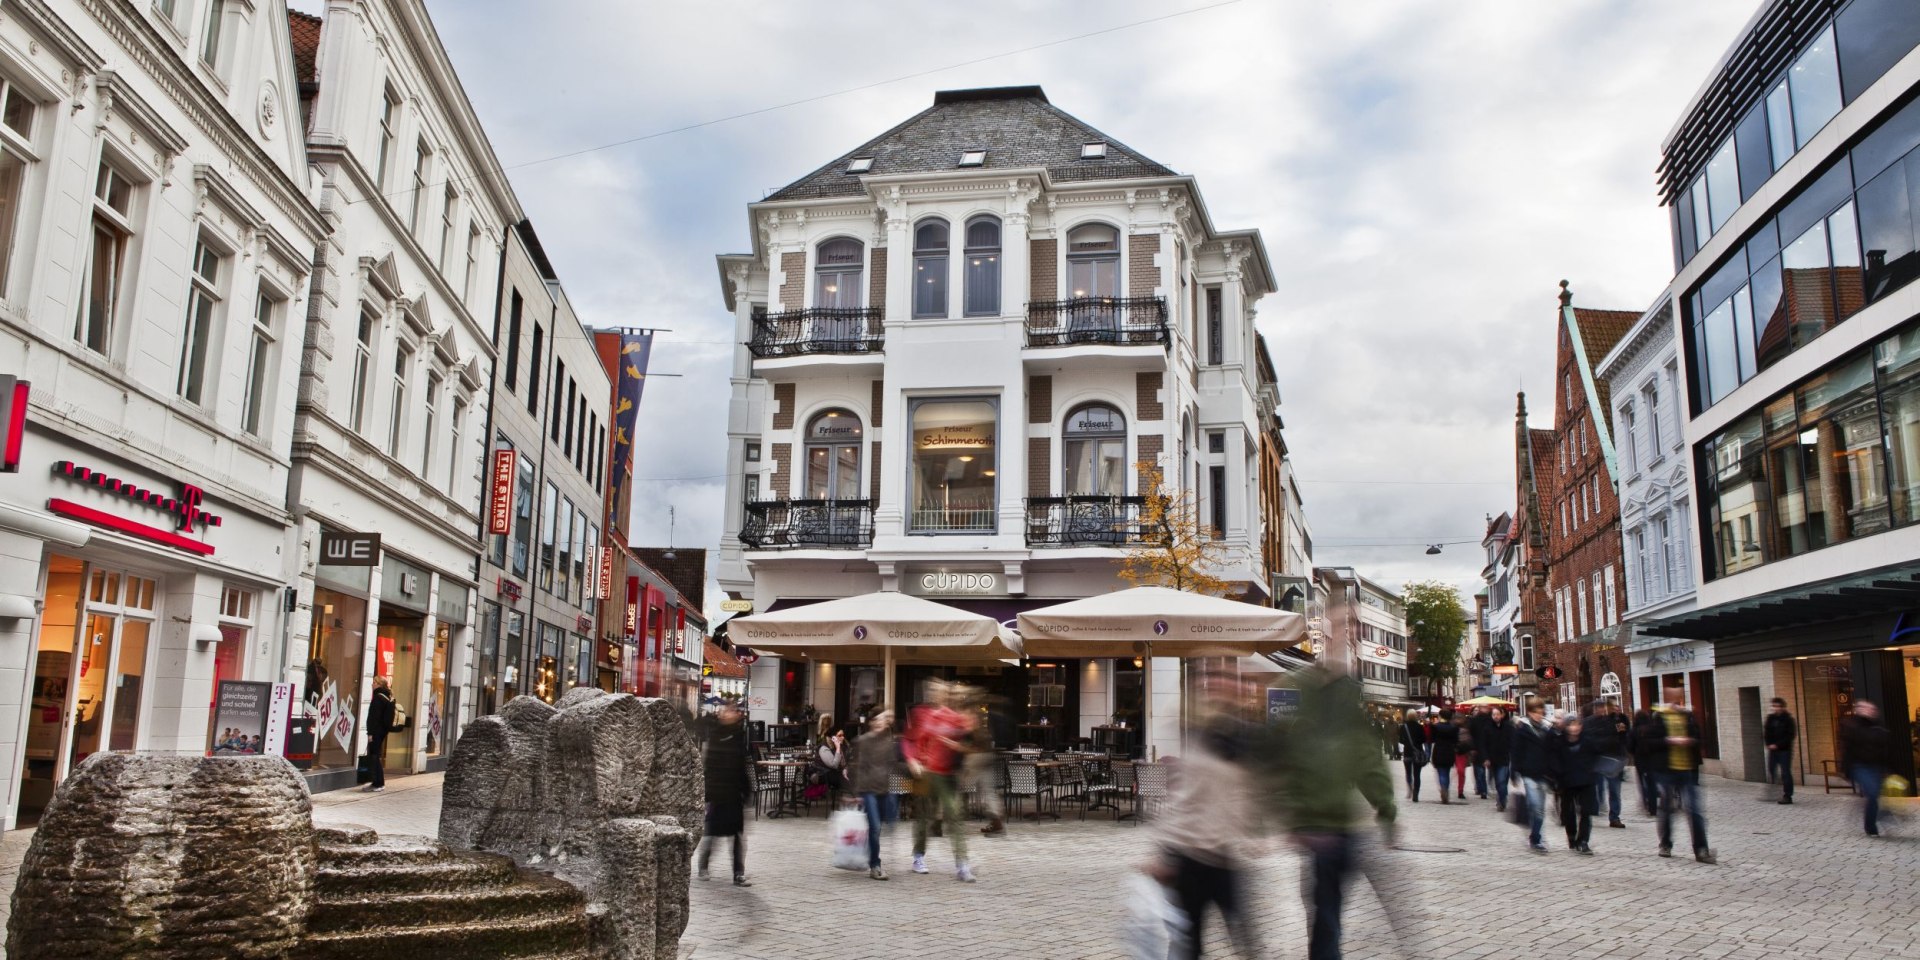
605, 587
636, 347
500, 506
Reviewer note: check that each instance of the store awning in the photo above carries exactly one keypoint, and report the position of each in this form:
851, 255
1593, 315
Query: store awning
1884, 591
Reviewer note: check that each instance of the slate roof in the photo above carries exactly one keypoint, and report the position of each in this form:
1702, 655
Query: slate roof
305, 30
1017, 126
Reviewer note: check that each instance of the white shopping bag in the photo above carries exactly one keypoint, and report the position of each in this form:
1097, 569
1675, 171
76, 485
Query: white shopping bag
849, 829
1153, 922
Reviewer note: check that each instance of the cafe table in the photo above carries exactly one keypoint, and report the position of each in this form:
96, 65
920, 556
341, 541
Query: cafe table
792, 782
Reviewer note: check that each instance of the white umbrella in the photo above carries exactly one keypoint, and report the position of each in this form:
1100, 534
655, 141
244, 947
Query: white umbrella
884, 628
1144, 621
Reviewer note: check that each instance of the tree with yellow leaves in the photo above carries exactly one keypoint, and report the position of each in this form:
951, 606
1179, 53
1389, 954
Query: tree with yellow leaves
1174, 550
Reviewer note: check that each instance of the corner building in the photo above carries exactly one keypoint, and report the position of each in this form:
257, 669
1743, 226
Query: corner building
1792, 178
155, 241
961, 340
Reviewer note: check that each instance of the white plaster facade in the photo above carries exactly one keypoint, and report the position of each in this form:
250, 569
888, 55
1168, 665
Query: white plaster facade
155, 250
1382, 644
1173, 398
394, 381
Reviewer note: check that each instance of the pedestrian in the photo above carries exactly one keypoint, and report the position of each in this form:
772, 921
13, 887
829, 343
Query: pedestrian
1647, 741
875, 756
1413, 753
1571, 765
1499, 754
380, 712
935, 743
1445, 738
729, 782
1531, 766
1864, 743
1606, 732
1202, 835
1679, 781
1312, 766
1780, 732
980, 771
1480, 728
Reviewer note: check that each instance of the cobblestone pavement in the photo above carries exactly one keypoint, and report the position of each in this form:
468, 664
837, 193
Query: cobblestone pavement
1797, 881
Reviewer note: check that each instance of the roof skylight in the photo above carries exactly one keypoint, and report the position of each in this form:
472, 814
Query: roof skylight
860, 165
1093, 151
973, 158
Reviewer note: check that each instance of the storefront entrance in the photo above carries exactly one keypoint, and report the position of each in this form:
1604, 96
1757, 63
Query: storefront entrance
397, 653
89, 677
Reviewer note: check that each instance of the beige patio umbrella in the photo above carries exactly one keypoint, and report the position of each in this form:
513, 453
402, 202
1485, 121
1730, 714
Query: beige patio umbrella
884, 628
1157, 621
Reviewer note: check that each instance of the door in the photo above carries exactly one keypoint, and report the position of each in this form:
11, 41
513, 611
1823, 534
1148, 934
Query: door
89, 672
401, 636
1752, 735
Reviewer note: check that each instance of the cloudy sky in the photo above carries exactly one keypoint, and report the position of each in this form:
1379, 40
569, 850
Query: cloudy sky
1424, 174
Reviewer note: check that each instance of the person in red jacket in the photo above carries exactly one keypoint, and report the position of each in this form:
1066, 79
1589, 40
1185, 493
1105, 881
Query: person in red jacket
934, 749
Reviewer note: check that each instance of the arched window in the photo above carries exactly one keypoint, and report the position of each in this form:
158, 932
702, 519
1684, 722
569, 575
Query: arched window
1093, 452
1093, 261
983, 267
833, 456
930, 269
838, 266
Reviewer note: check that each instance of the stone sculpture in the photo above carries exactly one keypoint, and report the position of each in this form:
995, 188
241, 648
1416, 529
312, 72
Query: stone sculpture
602, 790
168, 858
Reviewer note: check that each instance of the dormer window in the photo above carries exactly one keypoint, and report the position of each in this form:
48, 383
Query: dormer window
860, 165
973, 158
1093, 151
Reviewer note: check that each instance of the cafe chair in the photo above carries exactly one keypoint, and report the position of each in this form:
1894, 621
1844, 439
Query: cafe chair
1023, 782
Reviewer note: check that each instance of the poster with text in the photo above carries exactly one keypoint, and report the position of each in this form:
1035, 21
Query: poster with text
240, 719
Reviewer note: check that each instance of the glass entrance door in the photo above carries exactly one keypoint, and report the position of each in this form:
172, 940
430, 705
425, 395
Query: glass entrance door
89, 672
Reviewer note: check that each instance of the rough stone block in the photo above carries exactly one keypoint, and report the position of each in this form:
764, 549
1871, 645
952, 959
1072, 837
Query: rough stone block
168, 858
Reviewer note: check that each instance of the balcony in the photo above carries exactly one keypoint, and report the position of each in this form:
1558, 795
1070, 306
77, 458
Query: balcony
1085, 521
808, 524
816, 332
1100, 321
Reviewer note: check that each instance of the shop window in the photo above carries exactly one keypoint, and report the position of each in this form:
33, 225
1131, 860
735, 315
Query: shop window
833, 444
1898, 360
1093, 452
953, 467
436, 712
839, 266
236, 631
333, 676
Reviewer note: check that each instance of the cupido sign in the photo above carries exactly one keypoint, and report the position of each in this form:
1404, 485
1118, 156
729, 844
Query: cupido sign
956, 583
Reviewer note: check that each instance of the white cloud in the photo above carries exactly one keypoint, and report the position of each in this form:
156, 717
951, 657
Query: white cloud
1424, 174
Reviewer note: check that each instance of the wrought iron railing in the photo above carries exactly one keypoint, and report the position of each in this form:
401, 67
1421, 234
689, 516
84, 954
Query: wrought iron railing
1085, 521
1111, 320
951, 519
794, 333
793, 524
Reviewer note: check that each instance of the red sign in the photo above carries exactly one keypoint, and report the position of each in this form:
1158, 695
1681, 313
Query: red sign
185, 508
1383, 653
633, 616
13, 420
606, 573
510, 589
383, 658
584, 624
500, 508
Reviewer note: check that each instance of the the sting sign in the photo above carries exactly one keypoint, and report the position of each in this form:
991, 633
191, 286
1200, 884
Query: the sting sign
500, 506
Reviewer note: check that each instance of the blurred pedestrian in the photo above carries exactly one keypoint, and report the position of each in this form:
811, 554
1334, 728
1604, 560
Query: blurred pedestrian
1480, 728
980, 771
1780, 733
1313, 766
1647, 741
1446, 749
1203, 832
935, 744
1679, 781
875, 756
1499, 754
729, 782
1413, 752
1606, 732
1531, 766
1864, 743
380, 716
1571, 762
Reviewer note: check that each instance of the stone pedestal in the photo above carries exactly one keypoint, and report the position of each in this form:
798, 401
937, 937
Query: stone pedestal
167, 858
602, 791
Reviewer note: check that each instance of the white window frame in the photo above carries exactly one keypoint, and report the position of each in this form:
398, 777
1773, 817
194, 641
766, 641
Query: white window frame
362, 384
422, 166
448, 213
454, 420
213, 36
205, 321
257, 401
389, 134
16, 145
397, 407
430, 400
473, 260
107, 219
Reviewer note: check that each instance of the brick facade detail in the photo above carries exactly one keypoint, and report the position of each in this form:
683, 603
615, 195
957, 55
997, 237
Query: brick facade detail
1040, 399
1143, 275
783, 406
878, 403
1146, 396
873, 473
1039, 465
1043, 279
782, 473
1150, 447
877, 281
793, 287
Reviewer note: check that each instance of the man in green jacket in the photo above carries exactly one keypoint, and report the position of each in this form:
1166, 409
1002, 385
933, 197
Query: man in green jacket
1313, 763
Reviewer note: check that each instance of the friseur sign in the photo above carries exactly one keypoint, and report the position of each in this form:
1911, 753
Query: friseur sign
349, 549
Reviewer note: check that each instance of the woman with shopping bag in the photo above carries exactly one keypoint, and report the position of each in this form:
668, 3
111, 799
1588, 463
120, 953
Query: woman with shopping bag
875, 756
